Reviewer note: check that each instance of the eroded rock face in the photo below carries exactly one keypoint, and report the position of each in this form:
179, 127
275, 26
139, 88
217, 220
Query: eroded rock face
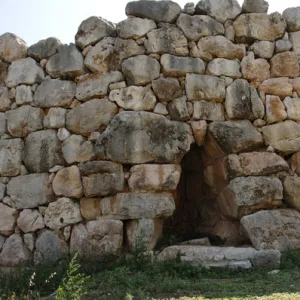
292, 106
275, 109
224, 67
291, 16
292, 191
257, 6
277, 86
8, 219
30, 220
127, 139
273, 229
12, 47
166, 89
211, 111
44, 49
285, 64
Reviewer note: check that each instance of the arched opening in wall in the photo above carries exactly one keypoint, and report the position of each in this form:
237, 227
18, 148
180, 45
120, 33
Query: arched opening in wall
197, 213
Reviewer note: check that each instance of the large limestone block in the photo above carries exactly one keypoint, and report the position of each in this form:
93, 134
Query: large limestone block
140, 70
219, 46
224, 67
93, 115
178, 109
14, 252
263, 49
77, 149
127, 206
23, 95
284, 136
8, 219
275, 109
167, 40
196, 27
263, 27
245, 195
66, 63
49, 246
281, 87
97, 238
292, 191
232, 137
92, 30
102, 178
205, 87
166, 89
54, 92
12, 47
178, 66
151, 177
90, 208
55, 118
67, 183
140, 137
204, 110
134, 98
256, 6
285, 64
255, 164
292, 18
134, 28
108, 54
30, 191
11, 152
143, 234
273, 229
62, 213
42, 151
292, 108
44, 49
24, 120
24, 71
30, 220
158, 11
221, 10
96, 85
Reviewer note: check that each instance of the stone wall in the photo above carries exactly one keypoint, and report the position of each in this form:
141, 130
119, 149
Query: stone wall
93, 133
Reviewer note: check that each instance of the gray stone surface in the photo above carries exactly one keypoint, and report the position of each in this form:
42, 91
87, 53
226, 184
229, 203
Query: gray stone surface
263, 49
178, 109
3, 124
224, 67
256, 6
8, 219
12, 47
30, 220
166, 89
291, 16
211, 111
55, 118
23, 95
44, 49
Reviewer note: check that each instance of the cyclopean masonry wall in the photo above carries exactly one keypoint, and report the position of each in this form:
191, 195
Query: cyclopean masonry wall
93, 134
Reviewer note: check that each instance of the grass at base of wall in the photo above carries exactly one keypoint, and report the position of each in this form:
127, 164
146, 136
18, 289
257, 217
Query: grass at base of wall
137, 277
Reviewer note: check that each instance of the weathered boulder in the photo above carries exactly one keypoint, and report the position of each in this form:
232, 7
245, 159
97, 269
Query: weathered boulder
97, 238
3, 124
178, 109
134, 98
263, 49
179, 66
205, 87
44, 49
292, 191
24, 71
96, 85
245, 195
277, 86
283, 45
275, 110
24, 120
67, 183
199, 129
30, 220
140, 137
224, 67
257, 6
93, 115
273, 229
143, 233
54, 92
12, 47
92, 30
291, 16
140, 70
255, 164
126, 206
3, 72
292, 106
102, 178
14, 252
219, 46
134, 28
11, 152
5, 102
158, 11
221, 10
294, 163
42, 151
55, 118
196, 27
8, 219
151, 177
49, 246
167, 40
263, 27
285, 64
23, 95
108, 54
66, 63
166, 89
295, 40
77, 149
284, 136
61, 213
204, 110
90, 208
30, 191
